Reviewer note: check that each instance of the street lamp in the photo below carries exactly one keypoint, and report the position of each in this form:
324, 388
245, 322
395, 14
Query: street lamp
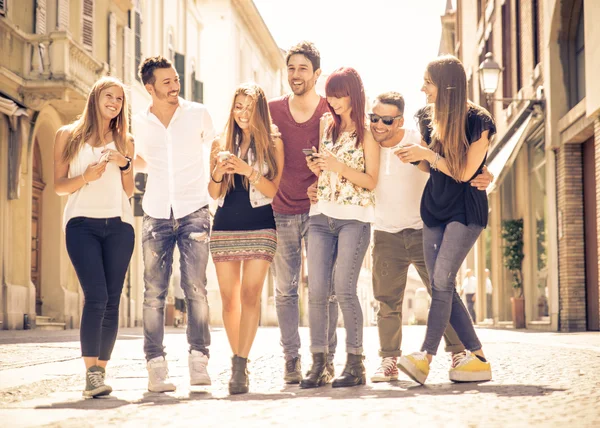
489, 71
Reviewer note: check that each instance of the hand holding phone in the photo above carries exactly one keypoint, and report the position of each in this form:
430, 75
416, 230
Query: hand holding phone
223, 155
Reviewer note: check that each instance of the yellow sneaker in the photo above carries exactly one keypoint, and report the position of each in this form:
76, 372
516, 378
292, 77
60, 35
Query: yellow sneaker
415, 366
470, 369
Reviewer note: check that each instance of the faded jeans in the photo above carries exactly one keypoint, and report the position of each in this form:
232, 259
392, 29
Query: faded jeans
291, 229
393, 253
343, 244
191, 235
445, 248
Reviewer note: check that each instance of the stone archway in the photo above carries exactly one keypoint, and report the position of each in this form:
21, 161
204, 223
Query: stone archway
37, 188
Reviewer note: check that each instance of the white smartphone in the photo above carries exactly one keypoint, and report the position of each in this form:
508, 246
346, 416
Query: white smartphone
224, 155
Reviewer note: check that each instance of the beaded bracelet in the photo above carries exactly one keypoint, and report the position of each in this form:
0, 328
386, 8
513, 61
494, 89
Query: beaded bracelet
255, 181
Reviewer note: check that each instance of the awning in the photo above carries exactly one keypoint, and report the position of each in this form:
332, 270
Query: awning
503, 160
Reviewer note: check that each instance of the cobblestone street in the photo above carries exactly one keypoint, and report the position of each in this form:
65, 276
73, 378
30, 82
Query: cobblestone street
543, 379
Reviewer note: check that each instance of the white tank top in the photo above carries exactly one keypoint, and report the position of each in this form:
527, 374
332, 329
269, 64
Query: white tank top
103, 198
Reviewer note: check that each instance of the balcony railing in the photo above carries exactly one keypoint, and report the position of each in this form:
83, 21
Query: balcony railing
51, 63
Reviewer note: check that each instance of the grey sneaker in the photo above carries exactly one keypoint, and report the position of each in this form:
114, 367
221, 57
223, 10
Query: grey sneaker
94, 383
197, 363
293, 371
158, 375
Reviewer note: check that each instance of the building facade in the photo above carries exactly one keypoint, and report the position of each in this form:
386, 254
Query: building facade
546, 154
52, 53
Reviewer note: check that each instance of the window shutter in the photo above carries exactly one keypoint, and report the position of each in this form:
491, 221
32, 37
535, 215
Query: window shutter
197, 89
112, 43
3, 7
40, 17
88, 25
62, 18
180, 67
127, 56
138, 41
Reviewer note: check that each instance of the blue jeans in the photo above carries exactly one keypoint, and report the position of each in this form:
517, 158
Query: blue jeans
445, 248
291, 229
100, 250
191, 234
343, 244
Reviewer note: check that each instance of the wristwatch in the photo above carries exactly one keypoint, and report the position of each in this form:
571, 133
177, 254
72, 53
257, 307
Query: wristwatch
126, 167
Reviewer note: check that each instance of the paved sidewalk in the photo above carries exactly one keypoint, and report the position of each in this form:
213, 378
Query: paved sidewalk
540, 379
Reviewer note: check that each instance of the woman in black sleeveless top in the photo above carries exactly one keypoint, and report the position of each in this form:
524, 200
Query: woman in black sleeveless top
456, 137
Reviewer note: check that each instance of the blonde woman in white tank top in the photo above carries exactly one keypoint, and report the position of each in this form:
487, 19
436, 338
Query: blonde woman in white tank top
92, 165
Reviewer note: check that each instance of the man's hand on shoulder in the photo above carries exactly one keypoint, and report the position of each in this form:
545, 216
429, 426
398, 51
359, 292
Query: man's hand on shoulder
482, 181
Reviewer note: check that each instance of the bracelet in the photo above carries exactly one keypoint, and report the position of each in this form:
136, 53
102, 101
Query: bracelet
84, 180
257, 179
435, 161
126, 167
212, 178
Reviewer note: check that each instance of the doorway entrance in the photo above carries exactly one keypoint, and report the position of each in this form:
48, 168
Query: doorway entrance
591, 236
36, 225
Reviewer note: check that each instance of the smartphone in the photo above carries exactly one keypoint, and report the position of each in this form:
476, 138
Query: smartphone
308, 152
224, 155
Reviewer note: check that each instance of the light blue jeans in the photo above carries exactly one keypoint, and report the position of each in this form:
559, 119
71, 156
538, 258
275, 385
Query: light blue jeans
343, 244
445, 248
291, 230
159, 236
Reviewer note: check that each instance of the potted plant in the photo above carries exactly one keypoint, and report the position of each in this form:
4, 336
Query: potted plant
512, 233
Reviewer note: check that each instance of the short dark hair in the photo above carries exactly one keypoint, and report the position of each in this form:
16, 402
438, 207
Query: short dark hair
309, 50
150, 64
392, 98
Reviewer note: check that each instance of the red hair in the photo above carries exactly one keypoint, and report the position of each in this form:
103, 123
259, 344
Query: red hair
345, 82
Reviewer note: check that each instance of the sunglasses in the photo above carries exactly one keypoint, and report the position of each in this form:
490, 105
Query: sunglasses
387, 120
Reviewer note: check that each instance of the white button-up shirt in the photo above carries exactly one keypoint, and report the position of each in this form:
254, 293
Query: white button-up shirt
177, 159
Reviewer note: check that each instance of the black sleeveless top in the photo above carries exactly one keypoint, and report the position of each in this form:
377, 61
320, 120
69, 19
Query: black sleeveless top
237, 212
444, 199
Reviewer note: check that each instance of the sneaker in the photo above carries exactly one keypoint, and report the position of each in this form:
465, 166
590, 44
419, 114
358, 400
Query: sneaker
94, 383
387, 371
471, 369
457, 358
158, 375
197, 363
293, 371
415, 366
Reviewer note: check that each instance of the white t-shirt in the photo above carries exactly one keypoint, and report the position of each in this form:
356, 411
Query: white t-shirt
488, 286
399, 189
469, 285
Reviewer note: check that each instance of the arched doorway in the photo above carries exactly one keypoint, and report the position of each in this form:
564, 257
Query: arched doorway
36, 225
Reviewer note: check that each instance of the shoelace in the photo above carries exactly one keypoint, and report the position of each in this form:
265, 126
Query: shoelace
419, 355
198, 365
290, 365
96, 379
162, 373
459, 359
388, 364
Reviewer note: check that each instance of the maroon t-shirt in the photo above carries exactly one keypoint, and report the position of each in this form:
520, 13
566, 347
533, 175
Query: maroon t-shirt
296, 177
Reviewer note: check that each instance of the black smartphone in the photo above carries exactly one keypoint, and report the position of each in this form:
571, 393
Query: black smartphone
307, 152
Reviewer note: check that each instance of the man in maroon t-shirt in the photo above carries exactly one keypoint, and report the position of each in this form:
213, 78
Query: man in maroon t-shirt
297, 116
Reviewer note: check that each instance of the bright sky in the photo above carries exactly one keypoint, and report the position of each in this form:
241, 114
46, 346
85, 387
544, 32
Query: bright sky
389, 42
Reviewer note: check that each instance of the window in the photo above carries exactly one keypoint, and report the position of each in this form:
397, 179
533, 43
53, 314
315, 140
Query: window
539, 211
138, 37
40, 17
197, 87
112, 43
62, 18
579, 74
179, 60
518, 45
171, 46
535, 12
507, 72
3, 7
88, 25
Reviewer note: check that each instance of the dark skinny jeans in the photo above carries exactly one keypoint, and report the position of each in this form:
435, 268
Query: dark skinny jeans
100, 250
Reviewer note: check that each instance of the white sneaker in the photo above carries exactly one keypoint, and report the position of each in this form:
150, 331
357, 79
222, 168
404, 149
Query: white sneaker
158, 375
197, 363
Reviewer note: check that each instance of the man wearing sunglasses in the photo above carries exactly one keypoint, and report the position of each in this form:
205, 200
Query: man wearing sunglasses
398, 236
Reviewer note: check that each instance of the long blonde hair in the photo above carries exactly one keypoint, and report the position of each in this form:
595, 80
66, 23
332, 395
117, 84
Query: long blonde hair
262, 146
87, 125
449, 115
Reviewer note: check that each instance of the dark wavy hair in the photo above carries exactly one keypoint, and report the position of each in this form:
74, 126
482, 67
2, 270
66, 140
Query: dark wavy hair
150, 64
309, 50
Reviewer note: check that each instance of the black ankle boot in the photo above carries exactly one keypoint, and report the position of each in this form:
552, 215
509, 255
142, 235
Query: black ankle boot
238, 384
318, 375
353, 374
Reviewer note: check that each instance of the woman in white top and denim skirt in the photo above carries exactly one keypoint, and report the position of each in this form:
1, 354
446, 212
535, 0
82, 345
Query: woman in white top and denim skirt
340, 224
92, 165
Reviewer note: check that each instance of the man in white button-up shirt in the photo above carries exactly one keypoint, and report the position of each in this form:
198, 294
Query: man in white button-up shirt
171, 137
